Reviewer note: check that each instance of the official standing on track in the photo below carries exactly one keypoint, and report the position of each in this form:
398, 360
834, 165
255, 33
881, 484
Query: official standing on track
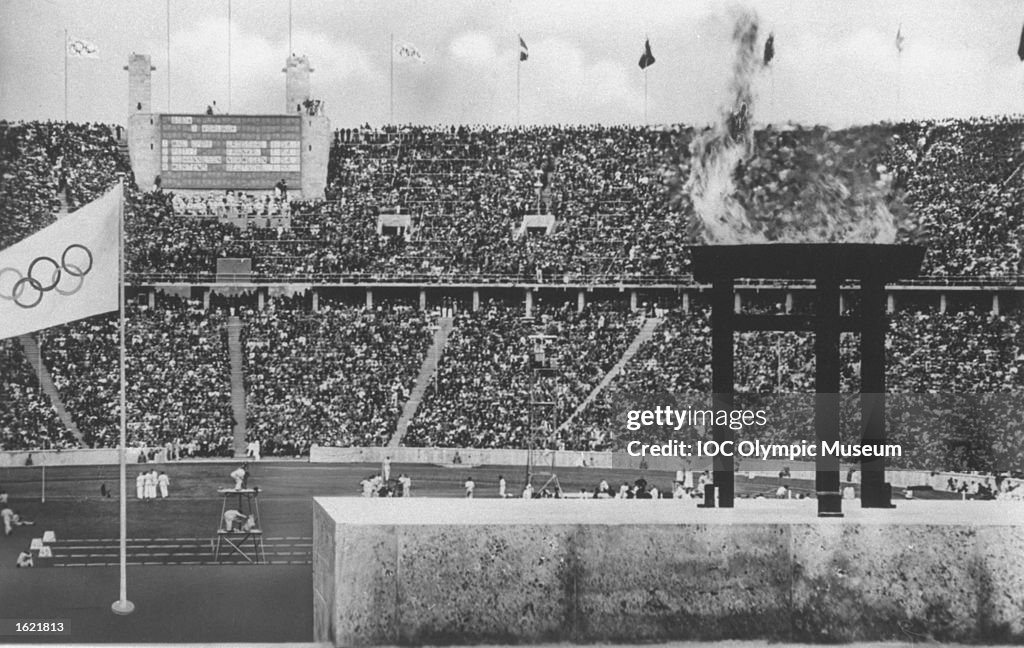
151, 479
240, 475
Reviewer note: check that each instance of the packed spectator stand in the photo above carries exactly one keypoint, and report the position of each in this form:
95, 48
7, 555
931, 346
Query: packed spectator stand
335, 377
621, 216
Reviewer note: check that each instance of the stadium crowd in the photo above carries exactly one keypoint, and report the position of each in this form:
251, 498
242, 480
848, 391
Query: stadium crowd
339, 376
480, 393
230, 204
178, 388
620, 210
27, 419
617, 196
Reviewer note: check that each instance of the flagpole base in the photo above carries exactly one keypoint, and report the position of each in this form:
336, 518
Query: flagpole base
123, 608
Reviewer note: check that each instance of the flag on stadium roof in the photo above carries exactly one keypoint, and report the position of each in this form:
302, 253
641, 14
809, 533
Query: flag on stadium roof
899, 39
64, 272
1020, 48
769, 49
81, 48
524, 51
647, 59
409, 52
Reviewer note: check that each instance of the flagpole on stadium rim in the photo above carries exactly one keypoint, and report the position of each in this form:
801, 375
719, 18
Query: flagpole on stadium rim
647, 40
122, 606
229, 56
168, 55
391, 83
519, 67
65, 75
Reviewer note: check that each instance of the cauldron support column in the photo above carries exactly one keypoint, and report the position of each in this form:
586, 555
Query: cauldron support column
874, 492
722, 384
826, 399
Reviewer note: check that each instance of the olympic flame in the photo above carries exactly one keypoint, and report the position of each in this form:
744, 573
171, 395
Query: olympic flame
810, 201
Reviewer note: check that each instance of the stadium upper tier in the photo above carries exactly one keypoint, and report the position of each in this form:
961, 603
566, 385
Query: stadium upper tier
618, 196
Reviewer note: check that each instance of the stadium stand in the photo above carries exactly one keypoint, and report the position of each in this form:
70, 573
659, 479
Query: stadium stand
27, 419
479, 394
621, 213
338, 376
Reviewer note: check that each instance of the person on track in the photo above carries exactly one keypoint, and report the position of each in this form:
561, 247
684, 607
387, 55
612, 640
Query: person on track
241, 476
12, 519
151, 481
235, 521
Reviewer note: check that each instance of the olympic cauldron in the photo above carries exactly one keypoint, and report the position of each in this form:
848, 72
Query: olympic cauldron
830, 266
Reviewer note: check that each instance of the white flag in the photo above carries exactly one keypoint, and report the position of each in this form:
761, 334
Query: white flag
408, 52
81, 48
63, 273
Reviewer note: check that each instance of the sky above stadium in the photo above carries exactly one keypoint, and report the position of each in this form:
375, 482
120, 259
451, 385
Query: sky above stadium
836, 63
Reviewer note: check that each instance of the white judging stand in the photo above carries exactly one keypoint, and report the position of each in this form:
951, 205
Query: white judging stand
246, 541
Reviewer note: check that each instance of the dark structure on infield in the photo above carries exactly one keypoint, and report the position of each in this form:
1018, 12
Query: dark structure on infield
830, 266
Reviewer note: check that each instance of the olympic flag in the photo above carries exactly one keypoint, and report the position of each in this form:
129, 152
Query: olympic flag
65, 272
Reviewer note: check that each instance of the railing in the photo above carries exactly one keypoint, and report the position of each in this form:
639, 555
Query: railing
595, 279
590, 279
411, 278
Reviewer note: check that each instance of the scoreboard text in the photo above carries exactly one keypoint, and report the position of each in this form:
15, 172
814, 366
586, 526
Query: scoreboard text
230, 151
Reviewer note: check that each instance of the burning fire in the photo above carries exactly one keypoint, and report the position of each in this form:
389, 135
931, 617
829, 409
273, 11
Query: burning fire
828, 206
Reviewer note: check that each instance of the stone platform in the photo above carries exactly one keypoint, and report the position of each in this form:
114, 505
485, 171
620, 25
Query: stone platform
452, 571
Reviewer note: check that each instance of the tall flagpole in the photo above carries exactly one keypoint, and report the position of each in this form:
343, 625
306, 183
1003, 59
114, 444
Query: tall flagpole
391, 84
290, 50
647, 40
168, 55
122, 606
519, 66
899, 68
65, 75
229, 56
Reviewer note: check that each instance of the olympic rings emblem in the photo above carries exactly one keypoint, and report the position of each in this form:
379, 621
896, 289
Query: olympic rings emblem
44, 275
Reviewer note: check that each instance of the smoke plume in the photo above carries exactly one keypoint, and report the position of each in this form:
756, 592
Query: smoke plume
802, 196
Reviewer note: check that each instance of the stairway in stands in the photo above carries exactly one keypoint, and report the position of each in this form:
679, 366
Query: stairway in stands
645, 334
64, 211
33, 354
430, 362
234, 327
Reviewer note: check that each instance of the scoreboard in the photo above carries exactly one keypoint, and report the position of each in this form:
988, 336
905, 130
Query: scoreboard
230, 151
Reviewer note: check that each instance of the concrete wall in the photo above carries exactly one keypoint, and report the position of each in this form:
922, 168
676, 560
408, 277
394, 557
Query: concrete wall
100, 456
144, 148
444, 456
316, 150
433, 571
